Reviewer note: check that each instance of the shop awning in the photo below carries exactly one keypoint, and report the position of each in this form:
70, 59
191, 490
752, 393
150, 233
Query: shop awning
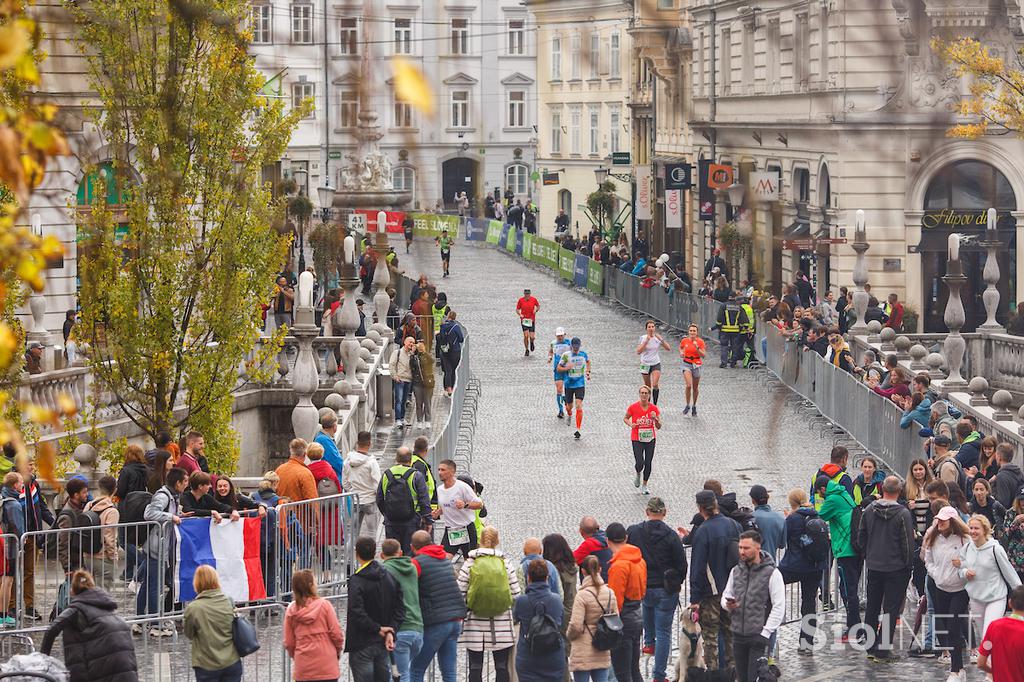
801, 227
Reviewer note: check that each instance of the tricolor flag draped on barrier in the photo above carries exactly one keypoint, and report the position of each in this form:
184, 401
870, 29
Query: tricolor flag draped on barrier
231, 547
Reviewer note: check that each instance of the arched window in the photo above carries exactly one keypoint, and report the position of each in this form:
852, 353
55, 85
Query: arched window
970, 185
516, 176
404, 178
565, 202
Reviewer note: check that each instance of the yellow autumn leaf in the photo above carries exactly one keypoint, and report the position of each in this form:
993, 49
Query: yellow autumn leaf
51, 247
67, 405
411, 86
14, 43
30, 269
38, 414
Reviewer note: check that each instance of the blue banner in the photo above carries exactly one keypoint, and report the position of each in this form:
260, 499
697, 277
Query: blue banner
581, 271
476, 229
519, 242
503, 239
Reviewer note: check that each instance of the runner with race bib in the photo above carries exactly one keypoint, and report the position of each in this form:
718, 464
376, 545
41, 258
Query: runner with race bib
559, 347
644, 418
576, 365
527, 308
445, 243
692, 350
650, 361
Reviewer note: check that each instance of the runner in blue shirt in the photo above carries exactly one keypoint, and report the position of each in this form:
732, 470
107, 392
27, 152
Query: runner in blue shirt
558, 348
576, 364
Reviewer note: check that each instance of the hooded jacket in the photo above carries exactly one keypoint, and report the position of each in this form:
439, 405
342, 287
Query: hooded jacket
593, 600
313, 638
919, 414
938, 559
133, 476
713, 551
596, 544
440, 598
863, 489
662, 552
795, 561
1007, 482
627, 575
12, 518
98, 644
109, 518
887, 535
322, 471
407, 573
361, 475
992, 569
969, 451
374, 601
835, 473
836, 510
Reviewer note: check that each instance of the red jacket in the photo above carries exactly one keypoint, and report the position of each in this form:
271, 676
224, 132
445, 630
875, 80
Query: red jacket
321, 470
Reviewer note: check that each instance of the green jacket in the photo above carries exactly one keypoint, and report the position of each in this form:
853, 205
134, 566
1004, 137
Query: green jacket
407, 573
836, 510
208, 621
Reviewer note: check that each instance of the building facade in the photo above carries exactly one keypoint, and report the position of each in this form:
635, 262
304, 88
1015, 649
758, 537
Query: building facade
583, 65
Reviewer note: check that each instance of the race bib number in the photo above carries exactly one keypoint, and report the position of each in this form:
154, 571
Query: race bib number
527, 322
576, 371
644, 368
645, 435
458, 536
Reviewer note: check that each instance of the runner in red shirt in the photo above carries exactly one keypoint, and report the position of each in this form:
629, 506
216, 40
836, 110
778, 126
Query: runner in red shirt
1001, 653
692, 350
527, 307
644, 418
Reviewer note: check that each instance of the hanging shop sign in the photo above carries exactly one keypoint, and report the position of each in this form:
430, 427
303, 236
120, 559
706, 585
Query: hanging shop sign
764, 186
720, 176
673, 209
678, 176
643, 192
705, 194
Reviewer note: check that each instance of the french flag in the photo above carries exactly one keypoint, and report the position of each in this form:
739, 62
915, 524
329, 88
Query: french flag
231, 547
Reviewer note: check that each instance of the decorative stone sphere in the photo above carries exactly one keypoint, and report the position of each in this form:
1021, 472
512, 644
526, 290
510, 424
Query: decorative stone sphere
977, 385
1002, 399
918, 352
365, 354
334, 402
374, 335
874, 326
341, 387
934, 361
378, 327
902, 344
368, 344
85, 454
887, 334
362, 365
1020, 412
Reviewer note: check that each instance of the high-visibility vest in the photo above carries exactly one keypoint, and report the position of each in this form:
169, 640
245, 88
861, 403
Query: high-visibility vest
732, 323
748, 326
438, 314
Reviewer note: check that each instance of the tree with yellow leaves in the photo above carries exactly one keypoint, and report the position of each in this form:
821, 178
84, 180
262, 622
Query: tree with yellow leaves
995, 102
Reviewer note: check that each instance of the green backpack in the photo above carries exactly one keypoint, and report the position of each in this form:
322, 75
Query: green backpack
489, 594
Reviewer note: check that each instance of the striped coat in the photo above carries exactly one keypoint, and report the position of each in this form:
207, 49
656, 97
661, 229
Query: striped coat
488, 634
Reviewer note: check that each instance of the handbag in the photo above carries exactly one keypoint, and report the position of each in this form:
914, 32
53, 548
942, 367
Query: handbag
608, 632
244, 635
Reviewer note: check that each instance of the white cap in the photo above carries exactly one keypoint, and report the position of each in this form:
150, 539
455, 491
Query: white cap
560, 331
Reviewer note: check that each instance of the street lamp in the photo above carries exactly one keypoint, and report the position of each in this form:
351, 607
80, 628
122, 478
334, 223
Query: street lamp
326, 195
601, 173
735, 192
300, 176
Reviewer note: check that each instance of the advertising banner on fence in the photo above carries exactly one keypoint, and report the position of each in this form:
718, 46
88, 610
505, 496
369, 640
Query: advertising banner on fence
476, 229
581, 271
432, 225
566, 261
503, 237
394, 220
595, 277
510, 240
527, 246
519, 242
493, 231
545, 252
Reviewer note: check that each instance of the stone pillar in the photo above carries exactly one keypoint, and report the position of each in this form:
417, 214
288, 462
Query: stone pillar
381, 280
37, 332
860, 275
954, 346
991, 275
306, 378
346, 320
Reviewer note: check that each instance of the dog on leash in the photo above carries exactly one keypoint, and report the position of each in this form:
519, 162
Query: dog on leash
690, 666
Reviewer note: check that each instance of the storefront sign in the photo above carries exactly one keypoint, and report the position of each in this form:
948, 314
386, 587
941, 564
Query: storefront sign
765, 186
678, 176
951, 218
550, 179
620, 159
673, 209
719, 176
643, 192
705, 195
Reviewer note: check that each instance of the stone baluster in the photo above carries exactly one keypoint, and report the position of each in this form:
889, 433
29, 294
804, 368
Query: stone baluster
977, 388
954, 346
306, 379
860, 274
1001, 400
902, 344
346, 321
887, 335
381, 280
1020, 418
934, 362
991, 274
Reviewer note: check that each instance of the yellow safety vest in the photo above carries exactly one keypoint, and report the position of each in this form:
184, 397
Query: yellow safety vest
748, 326
732, 325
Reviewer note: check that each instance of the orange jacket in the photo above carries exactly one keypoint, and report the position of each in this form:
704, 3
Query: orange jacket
627, 575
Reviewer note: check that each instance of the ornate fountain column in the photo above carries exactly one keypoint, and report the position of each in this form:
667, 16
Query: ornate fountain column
991, 275
954, 346
860, 275
306, 378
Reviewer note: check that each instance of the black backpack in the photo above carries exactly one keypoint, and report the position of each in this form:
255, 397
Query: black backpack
855, 516
542, 635
132, 510
86, 538
745, 517
608, 633
814, 540
398, 503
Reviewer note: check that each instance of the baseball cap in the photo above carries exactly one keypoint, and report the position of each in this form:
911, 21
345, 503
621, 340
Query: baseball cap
942, 439
615, 532
526, 291
560, 331
35, 344
656, 505
359, 301
705, 498
946, 513
758, 492
576, 341
821, 482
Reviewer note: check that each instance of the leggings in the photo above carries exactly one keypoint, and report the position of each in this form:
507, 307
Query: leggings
643, 453
950, 611
476, 664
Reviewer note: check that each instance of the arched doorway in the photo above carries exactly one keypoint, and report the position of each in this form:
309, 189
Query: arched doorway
458, 175
565, 203
957, 200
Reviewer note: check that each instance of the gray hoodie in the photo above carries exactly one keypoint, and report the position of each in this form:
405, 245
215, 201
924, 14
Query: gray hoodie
887, 535
361, 474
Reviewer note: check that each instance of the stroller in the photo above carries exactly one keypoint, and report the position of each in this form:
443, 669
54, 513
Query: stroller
33, 668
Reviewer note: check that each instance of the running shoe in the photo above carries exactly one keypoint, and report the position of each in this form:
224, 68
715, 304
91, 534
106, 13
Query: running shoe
636, 480
645, 490
576, 435
694, 411
561, 415
686, 410
647, 651
531, 344
526, 354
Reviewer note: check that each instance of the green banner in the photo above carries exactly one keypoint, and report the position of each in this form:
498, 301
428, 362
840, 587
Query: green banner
545, 252
510, 240
566, 261
432, 225
595, 278
493, 231
528, 246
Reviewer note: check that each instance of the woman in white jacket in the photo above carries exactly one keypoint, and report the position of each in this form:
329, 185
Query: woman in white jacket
940, 551
983, 563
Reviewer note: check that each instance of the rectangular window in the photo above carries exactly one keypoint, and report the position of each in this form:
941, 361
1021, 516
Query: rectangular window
262, 18
348, 108
595, 53
302, 24
575, 121
403, 114
403, 36
595, 127
460, 109
349, 42
302, 91
614, 57
556, 59
666, 4
516, 36
575, 57
460, 36
556, 132
516, 109
614, 123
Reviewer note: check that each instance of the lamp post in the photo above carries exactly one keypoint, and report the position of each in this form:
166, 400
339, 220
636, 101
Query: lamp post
601, 174
326, 196
300, 176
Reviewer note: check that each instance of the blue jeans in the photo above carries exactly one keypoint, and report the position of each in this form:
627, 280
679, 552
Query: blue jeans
590, 675
232, 673
440, 639
370, 664
150, 577
659, 610
407, 645
402, 391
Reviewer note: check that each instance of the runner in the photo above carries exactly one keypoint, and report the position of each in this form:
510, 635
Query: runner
644, 418
445, 242
527, 307
576, 364
650, 361
558, 348
407, 226
692, 350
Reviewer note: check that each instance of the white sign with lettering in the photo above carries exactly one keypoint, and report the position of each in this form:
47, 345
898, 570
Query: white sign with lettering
673, 209
643, 192
765, 186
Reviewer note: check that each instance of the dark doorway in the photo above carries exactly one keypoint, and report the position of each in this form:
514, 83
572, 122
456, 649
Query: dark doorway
457, 176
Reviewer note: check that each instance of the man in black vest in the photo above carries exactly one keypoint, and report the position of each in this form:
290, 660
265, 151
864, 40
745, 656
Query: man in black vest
442, 606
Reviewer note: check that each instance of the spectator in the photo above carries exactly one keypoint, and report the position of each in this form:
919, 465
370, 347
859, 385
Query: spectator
983, 503
375, 612
162, 464
401, 370
1009, 479
836, 509
839, 353
69, 545
402, 500
532, 549
34, 358
266, 489
804, 561
595, 543
442, 607
224, 493
895, 310
296, 480
36, 514
916, 410
105, 563
869, 481
326, 438
156, 555
627, 578
538, 666
209, 620
12, 523
942, 546
988, 464
194, 457
835, 470
970, 445
886, 532
422, 385
1001, 653
755, 597
199, 502
312, 633
406, 572
488, 581
327, 482
361, 475
770, 523
97, 643
593, 601
561, 563
984, 565
134, 472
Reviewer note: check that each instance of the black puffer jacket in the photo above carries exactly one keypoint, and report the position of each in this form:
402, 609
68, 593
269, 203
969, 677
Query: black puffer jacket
97, 643
662, 551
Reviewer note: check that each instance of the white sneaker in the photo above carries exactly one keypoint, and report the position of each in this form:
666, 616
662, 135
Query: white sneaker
399, 423
645, 490
133, 587
957, 677
426, 425
137, 629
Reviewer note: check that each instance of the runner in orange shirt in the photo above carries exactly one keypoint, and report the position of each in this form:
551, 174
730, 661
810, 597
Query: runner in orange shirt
692, 350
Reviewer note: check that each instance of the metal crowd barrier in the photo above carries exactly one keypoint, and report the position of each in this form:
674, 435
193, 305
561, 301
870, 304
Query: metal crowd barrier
316, 534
